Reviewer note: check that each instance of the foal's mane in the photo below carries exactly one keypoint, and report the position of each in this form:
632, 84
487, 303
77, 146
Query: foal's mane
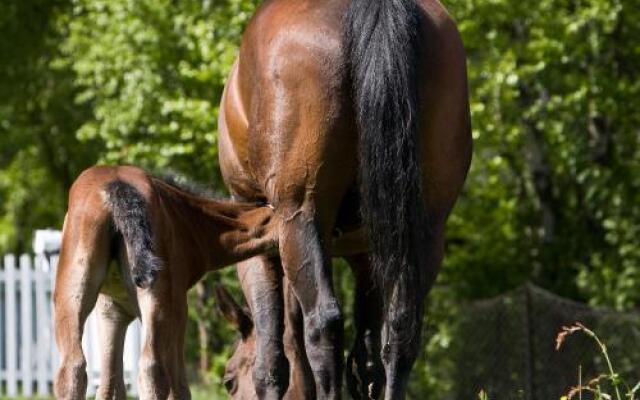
199, 198
189, 186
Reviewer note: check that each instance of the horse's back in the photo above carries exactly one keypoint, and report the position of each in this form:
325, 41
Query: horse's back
289, 102
290, 87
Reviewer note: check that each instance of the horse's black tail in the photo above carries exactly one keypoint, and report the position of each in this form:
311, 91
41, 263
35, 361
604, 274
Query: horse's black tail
383, 50
130, 213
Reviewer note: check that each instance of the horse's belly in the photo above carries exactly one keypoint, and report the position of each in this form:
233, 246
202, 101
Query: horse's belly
233, 128
114, 286
235, 173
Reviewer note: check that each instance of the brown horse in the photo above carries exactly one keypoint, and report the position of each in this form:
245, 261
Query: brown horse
135, 244
337, 108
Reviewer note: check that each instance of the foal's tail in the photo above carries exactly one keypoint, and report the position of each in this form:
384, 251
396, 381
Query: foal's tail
130, 213
383, 48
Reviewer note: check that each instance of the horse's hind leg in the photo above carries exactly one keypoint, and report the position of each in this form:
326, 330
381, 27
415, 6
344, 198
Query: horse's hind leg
261, 280
365, 373
81, 271
113, 321
307, 264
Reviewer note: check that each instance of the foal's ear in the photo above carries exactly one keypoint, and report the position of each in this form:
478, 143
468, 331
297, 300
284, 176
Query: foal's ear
232, 311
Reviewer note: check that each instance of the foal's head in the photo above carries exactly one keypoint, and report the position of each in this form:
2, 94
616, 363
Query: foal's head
238, 379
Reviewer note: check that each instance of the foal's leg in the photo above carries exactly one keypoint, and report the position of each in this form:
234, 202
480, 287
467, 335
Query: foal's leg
81, 271
261, 280
307, 264
113, 321
365, 373
399, 353
163, 313
182, 387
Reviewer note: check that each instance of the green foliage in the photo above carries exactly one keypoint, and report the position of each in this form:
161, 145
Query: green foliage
152, 73
553, 191
39, 153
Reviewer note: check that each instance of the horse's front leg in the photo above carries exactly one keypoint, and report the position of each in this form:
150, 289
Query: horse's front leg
261, 279
307, 265
365, 373
403, 325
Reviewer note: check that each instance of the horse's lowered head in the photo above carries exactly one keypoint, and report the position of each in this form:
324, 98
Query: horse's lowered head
238, 376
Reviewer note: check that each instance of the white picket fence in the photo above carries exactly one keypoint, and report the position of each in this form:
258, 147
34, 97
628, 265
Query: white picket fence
28, 355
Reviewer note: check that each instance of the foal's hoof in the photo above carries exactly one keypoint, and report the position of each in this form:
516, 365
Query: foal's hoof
71, 381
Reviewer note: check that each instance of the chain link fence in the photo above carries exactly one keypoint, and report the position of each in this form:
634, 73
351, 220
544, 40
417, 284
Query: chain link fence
506, 347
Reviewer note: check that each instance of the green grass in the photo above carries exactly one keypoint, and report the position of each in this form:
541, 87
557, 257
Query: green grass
25, 398
202, 391
199, 391
609, 385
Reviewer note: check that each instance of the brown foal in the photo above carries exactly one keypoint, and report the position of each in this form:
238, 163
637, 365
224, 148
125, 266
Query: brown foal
336, 109
135, 244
